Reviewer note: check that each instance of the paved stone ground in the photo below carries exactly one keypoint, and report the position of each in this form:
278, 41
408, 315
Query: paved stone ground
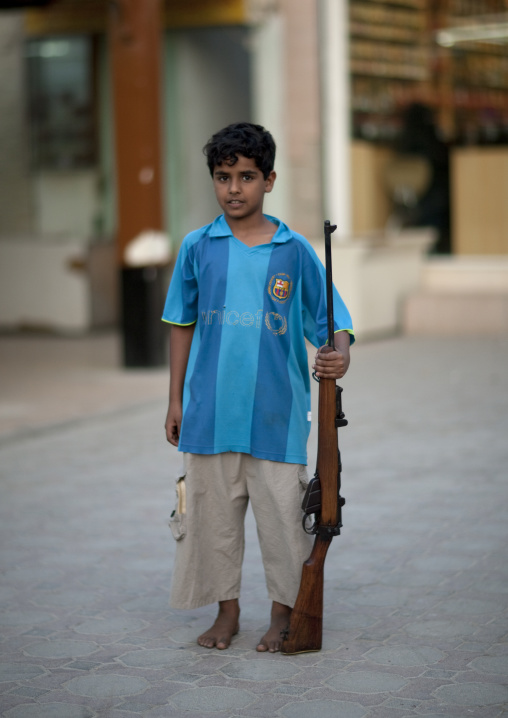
416, 593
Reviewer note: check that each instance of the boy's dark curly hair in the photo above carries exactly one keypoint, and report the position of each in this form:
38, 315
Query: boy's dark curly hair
241, 138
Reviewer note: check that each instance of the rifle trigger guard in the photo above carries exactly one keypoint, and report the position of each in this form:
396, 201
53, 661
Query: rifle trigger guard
309, 530
315, 377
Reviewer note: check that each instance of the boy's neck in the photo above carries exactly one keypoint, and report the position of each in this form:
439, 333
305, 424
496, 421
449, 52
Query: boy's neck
252, 231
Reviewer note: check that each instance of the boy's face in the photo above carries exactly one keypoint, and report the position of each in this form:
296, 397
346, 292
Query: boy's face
240, 188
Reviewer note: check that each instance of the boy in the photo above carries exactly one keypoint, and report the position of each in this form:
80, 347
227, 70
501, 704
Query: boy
245, 294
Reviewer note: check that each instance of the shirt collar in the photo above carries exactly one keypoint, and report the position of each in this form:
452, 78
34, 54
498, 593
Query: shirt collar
220, 228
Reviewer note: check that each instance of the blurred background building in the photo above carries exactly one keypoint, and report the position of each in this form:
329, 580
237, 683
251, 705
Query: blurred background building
391, 119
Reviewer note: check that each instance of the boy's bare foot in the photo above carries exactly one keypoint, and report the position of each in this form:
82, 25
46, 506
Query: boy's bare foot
225, 627
272, 640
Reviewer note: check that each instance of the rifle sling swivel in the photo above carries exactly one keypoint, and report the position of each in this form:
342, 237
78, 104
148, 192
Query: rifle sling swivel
324, 532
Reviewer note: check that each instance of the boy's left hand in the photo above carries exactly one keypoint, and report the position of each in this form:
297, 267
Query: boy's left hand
329, 363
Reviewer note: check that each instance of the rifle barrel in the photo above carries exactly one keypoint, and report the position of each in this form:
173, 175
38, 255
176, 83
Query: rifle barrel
329, 228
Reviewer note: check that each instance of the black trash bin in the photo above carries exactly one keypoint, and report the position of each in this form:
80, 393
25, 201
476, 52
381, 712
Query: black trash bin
144, 334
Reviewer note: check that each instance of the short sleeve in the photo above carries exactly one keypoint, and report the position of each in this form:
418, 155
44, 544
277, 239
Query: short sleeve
181, 306
314, 302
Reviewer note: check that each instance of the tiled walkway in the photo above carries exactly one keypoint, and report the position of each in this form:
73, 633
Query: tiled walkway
416, 592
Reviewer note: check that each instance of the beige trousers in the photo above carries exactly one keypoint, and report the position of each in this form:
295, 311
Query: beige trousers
209, 527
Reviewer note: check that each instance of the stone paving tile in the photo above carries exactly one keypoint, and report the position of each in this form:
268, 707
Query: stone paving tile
416, 593
162, 712
50, 710
323, 708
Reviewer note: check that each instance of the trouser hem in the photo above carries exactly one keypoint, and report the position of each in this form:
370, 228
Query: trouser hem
285, 601
189, 606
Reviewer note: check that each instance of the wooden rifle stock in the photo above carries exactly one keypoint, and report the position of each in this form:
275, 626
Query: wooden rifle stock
305, 630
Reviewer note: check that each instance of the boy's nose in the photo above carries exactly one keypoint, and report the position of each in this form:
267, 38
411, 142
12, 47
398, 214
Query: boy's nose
234, 187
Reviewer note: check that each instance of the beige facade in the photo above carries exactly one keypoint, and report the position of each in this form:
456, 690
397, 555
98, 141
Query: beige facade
302, 114
263, 60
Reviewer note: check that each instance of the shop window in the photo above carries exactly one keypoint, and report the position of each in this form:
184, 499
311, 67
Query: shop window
61, 102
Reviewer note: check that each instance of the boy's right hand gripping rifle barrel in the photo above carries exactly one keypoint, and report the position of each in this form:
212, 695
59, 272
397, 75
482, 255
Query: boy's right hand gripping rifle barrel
322, 499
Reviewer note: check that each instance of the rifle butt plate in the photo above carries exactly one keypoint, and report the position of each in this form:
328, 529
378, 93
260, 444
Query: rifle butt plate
296, 653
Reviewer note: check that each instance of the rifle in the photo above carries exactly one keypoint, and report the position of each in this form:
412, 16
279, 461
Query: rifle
322, 499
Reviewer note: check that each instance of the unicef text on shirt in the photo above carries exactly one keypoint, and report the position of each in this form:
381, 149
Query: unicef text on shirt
273, 321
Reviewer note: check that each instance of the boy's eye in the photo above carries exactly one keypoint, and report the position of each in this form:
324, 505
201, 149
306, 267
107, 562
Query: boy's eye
247, 178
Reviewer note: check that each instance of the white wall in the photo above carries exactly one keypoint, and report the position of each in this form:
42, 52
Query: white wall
67, 203
38, 288
270, 103
333, 31
63, 286
376, 275
207, 86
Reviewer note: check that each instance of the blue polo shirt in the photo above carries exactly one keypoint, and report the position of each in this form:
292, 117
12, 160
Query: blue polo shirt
247, 385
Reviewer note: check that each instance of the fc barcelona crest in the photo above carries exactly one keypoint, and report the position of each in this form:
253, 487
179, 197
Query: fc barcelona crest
280, 287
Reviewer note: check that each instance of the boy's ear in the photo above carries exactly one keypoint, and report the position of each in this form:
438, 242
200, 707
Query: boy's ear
270, 181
